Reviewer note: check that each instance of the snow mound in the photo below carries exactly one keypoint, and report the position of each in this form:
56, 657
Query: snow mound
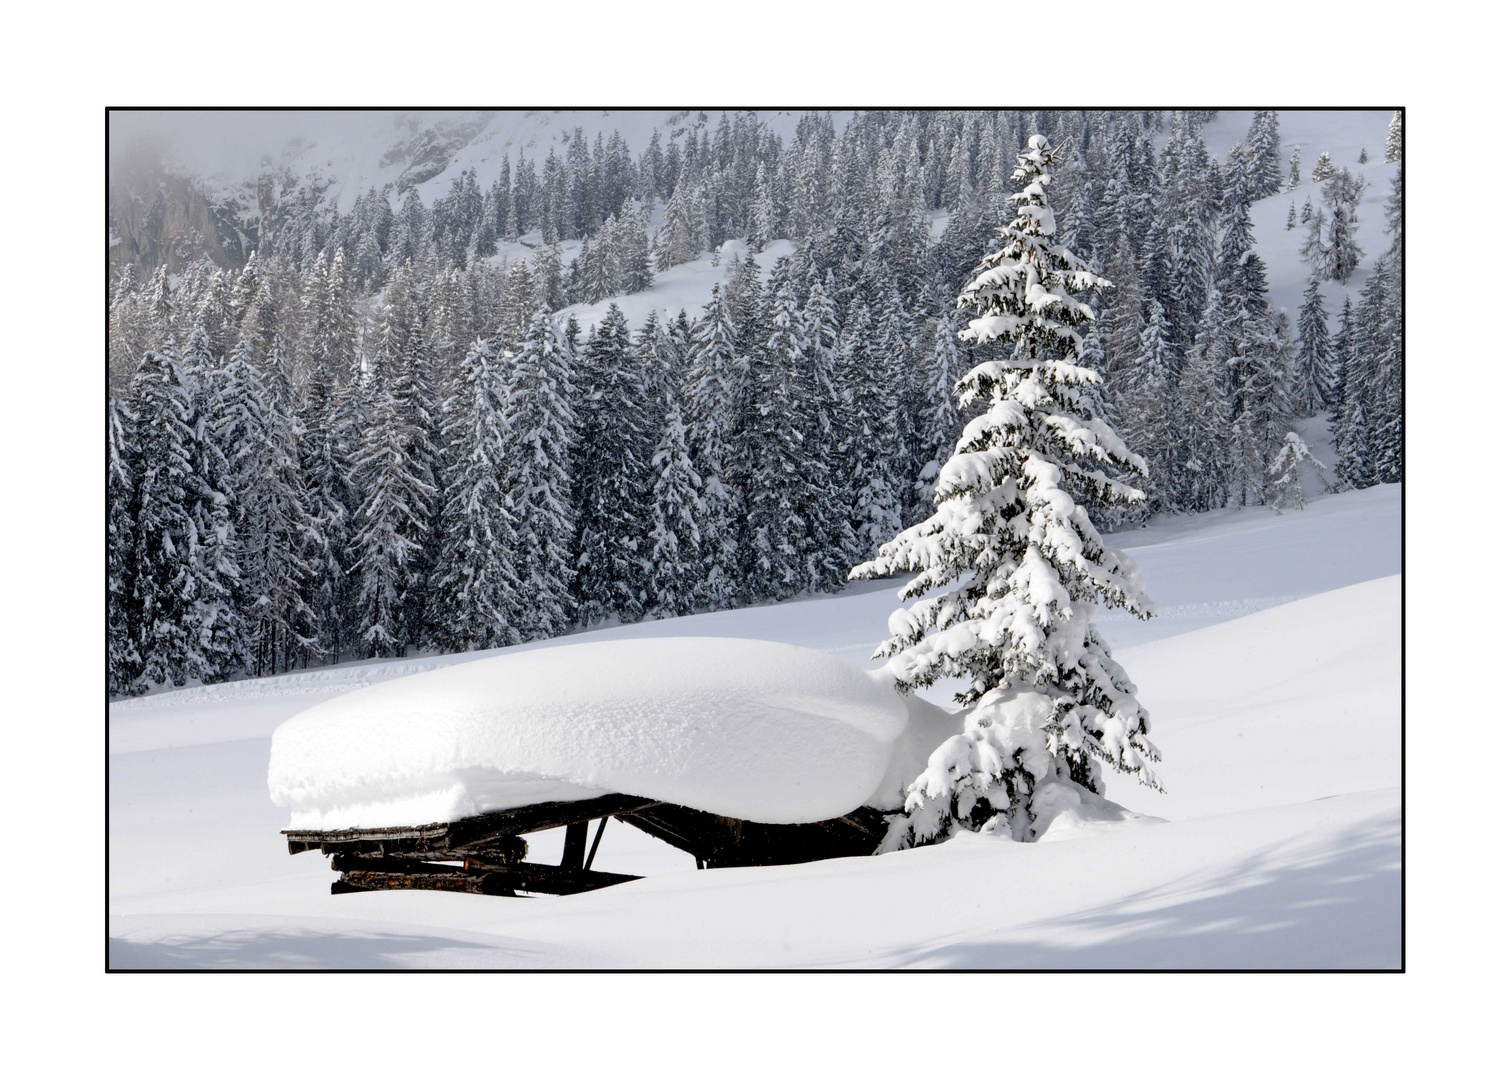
749, 729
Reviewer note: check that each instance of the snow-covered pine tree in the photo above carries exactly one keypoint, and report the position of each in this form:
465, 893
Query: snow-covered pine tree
537, 481
819, 407
1378, 355
1294, 170
676, 508
1284, 473
161, 571
1261, 376
550, 280
474, 591
1146, 410
940, 425
393, 511
637, 270
1264, 146
868, 451
1331, 246
1206, 408
277, 534
1323, 168
1347, 406
214, 508
615, 425
1010, 567
326, 448
123, 660
184, 569
781, 482
1315, 370
718, 386
415, 378
683, 234
1394, 137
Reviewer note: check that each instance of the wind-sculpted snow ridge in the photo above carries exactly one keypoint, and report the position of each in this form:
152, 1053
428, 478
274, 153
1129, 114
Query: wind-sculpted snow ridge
749, 729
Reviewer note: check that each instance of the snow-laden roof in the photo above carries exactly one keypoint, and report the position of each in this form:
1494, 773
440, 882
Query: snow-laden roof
749, 729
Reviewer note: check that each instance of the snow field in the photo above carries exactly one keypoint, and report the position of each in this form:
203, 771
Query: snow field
1280, 845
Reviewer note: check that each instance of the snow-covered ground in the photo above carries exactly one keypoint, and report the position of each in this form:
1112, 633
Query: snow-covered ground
1272, 677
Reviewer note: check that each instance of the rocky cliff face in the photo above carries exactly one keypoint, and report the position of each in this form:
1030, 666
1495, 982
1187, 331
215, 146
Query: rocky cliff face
169, 220
430, 149
160, 216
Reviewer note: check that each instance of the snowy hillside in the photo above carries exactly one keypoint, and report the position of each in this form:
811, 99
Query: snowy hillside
348, 153
1273, 680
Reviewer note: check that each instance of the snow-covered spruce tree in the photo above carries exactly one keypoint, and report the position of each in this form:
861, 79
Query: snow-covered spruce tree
325, 456
718, 386
1323, 168
1394, 137
184, 573
392, 514
614, 425
683, 234
1147, 413
474, 590
1264, 145
1262, 374
214, 507
537, 483
1284, 476
1331, 246
868, 451
782, 480
1010, 567
675, 512
277, 534
124, 663
1378, 354
1205, 407
415, 377
1347, 411
161, 574
1315, 374
637, 270
941, 423
819, 408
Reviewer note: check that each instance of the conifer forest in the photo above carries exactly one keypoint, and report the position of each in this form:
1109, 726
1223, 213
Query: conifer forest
431, 416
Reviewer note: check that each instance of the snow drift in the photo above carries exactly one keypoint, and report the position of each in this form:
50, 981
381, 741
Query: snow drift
750, 729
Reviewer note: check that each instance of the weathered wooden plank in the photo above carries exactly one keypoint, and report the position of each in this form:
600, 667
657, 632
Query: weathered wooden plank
386, 879
502, 849
720, 841
477, 831
529, 877
538, 877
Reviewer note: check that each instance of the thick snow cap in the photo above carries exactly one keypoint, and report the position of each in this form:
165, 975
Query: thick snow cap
749, 729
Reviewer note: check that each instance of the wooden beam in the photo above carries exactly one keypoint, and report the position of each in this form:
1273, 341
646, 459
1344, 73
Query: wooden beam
529, 877
480, 831
574, 844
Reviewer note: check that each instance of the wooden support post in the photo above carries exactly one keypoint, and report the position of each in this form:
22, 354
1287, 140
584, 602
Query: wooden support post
574, 845
597, 836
